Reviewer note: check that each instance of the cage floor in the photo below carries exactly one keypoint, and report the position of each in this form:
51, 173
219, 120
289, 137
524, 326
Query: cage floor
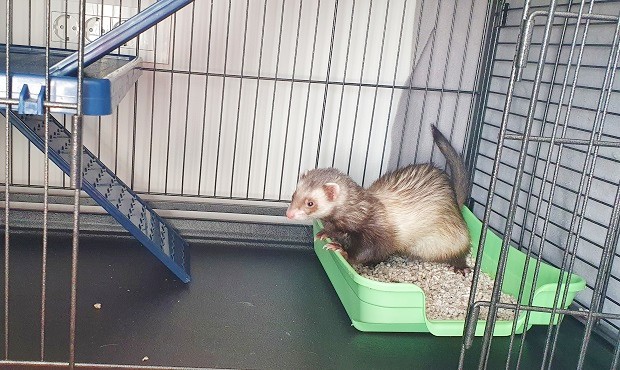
255, 307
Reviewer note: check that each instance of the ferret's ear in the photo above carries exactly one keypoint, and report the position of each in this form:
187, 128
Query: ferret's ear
332, 190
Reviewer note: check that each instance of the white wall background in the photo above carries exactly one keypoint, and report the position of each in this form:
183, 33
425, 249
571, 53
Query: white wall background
347, 99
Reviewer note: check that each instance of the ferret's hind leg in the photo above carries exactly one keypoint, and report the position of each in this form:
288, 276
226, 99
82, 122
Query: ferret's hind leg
459, 265
366, 251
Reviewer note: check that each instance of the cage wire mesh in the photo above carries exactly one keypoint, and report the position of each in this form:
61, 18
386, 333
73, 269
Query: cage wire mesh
551, 184
271, 88
238, 97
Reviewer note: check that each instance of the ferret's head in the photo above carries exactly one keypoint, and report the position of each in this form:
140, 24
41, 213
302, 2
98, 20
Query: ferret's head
318, 193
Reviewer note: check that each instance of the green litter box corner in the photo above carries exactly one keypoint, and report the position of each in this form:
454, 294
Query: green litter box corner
375, 306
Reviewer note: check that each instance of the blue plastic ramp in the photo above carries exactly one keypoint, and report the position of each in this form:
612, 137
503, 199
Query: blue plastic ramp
110, 193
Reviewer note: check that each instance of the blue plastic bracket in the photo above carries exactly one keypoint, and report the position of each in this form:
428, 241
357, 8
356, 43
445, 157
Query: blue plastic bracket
30, 106
118, 36
40, 101
24, 95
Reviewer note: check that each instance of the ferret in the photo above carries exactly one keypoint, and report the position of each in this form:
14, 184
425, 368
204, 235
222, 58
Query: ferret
413, 211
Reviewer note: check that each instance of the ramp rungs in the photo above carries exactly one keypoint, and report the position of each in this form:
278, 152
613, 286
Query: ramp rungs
111, 193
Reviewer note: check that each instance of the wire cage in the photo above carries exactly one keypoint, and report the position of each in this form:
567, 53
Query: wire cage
215, 110
551, 112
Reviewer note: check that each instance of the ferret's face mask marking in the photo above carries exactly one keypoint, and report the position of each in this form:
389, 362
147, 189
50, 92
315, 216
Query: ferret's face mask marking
301, 208
313, 204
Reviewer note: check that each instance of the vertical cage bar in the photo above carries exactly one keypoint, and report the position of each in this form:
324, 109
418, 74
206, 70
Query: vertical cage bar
29, 145
577, 234
290, 99
45, 178
237, 119
120, 20
428, 75
7, 172
150, 164
245, 39
66, 34
76, 163
544, 176
602, 102
481, 86
273, 97
76, 180
101, 4
64, 116
486, 57
29, 27
344, 80
608, 247
473, 311
258, 78
613, 231
374, 102
189, 86
602, 276
491, 319
615, 235
554, 184
204, 108
393, 89
326, 91
474, 97
410, 83
359, 89
485, 61
303, 128
116, 115
445, 75
219, 131
99, 138
172, 72
135, 115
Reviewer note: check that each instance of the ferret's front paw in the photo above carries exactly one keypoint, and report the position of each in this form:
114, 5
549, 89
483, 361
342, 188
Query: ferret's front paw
333, 246
321, 235
336, 247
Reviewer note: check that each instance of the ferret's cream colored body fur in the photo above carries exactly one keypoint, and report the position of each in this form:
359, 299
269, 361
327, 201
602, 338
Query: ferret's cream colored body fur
421, 208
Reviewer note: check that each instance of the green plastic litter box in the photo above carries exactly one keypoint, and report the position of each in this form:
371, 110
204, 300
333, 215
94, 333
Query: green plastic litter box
400, 307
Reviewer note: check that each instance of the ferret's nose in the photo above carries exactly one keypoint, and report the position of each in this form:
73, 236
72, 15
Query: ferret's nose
290, 214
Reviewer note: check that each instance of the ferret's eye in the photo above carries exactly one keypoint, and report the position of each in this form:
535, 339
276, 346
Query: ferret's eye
310, 203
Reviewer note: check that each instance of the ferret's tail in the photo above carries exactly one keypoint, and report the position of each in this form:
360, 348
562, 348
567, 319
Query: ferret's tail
458, 171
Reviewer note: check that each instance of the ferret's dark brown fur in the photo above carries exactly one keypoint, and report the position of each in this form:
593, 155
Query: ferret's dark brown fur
413, 211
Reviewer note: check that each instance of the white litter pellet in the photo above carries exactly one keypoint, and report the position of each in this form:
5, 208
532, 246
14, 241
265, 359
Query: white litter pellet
97, 305
447, 292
